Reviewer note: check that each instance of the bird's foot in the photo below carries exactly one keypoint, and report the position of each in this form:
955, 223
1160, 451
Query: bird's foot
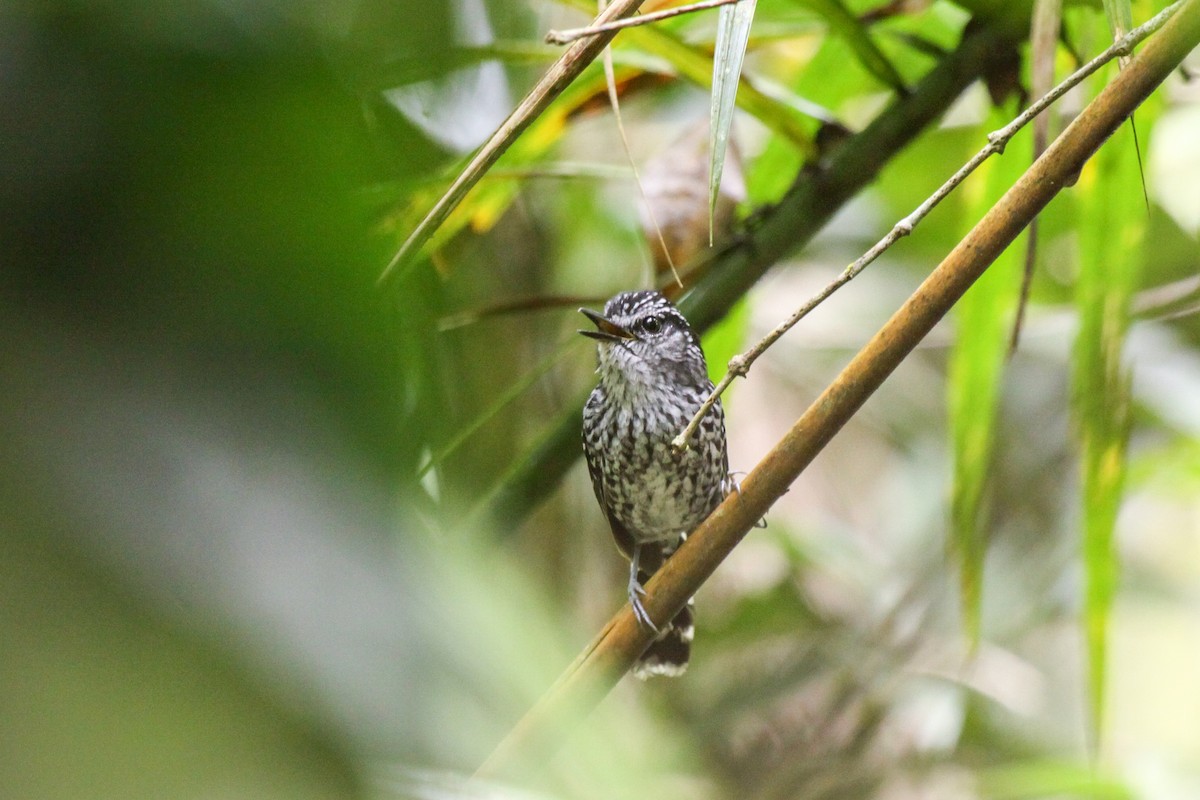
636, 593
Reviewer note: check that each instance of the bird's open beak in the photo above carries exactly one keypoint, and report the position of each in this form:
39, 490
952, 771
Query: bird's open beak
606, 329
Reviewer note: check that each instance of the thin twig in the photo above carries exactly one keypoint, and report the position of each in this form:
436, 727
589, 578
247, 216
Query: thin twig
571, 34
740, 364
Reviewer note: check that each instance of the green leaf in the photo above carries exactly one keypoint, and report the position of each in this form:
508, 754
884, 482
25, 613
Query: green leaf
848, 26
1111, 229
725, 340
733, 32
976, 370
1120, 17
1037, 779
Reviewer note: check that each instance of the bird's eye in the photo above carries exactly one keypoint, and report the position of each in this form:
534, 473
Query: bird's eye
651, 324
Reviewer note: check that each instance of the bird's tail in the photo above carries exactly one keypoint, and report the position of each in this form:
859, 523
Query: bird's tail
668, 654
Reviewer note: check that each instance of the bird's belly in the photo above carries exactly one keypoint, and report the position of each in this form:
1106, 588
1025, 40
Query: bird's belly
662, 503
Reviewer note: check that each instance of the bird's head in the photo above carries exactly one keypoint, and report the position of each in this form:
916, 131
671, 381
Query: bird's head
643, 338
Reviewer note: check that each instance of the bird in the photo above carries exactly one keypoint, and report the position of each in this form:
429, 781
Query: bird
652, 379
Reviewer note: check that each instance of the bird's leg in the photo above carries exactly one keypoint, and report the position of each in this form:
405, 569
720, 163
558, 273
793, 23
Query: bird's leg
635, 589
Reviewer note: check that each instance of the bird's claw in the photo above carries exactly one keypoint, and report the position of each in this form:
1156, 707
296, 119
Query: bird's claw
639, 610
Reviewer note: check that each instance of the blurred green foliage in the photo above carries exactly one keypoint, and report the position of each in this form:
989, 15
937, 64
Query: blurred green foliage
237, 549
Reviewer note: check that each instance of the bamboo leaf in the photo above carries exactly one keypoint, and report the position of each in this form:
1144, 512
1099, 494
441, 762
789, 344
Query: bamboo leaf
733, 32
849, 27
1043, 778
614, 101
975, 373
726, 339
1112, 229
1120, 20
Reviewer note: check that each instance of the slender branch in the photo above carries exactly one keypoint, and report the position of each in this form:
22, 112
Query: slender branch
571, 34
560, 74
600, 666
740, 364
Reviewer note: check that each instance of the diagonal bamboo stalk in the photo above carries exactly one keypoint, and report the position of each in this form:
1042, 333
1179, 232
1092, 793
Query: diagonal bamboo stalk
602, 663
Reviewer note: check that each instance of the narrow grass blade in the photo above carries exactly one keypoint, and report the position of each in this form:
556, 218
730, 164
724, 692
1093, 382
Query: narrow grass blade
1026, 780
733, 32
976, 372
1120, 21
1043, 46
614, 102
1112, 230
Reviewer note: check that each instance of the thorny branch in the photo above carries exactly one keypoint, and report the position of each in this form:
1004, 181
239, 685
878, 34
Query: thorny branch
740, 364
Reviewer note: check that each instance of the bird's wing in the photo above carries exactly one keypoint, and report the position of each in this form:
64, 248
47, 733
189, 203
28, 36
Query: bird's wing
595, 464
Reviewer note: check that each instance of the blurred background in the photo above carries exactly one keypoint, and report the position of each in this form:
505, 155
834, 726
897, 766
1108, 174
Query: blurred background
271, 530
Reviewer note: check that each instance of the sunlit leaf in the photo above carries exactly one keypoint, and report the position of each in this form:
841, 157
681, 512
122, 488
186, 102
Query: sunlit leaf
726, 339
850, 28
733, 32
1112, 229
975, 373
650, 49
1038, 779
